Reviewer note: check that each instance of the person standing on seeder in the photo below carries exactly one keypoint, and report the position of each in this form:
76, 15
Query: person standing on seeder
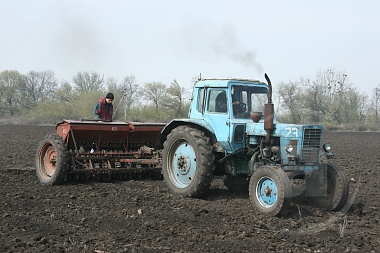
104, 109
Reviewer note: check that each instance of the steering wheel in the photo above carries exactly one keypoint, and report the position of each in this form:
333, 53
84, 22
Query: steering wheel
239, 107
242, 107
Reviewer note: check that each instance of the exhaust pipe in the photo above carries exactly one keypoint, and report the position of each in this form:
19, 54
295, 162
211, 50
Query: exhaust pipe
268, 111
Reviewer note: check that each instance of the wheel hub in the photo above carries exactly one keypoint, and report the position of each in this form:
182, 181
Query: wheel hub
50, 161
183, 164
268, 191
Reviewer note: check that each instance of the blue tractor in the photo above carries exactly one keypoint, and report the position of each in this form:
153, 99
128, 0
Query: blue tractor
232, 131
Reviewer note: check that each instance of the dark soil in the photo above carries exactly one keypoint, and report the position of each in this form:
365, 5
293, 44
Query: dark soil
142, 216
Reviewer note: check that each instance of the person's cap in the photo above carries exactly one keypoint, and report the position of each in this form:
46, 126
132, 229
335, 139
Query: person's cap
110, 96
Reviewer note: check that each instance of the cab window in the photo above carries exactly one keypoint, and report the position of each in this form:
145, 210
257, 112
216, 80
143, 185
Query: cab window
217, 101
201, 93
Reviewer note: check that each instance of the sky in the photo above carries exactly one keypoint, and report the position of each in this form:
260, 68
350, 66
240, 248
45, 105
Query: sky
163, 40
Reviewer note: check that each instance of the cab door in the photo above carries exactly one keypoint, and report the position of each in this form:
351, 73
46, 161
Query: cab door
217, 116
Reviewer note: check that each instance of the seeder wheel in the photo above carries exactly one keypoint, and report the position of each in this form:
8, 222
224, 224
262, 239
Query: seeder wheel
52, 160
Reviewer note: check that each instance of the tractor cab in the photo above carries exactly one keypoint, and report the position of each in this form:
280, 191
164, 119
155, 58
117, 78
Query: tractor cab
225, 106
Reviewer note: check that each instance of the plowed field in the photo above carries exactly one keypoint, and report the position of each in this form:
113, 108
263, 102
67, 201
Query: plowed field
142, 216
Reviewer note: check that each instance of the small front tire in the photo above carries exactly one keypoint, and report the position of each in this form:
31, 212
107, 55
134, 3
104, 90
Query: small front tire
270, 191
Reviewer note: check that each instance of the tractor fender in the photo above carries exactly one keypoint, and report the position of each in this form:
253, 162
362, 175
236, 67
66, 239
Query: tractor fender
196, 123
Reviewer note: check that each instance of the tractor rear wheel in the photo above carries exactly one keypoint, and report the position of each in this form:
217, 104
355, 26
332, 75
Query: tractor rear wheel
188, 162
52, 160
270, 191
336, 190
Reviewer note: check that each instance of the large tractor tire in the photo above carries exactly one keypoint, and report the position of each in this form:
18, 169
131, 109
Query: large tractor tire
335, 196
270, 191
52, 160
188, 162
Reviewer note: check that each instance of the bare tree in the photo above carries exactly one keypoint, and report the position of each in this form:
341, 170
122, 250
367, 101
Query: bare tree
316, 101
64, 93
376, 101
352, 109
10, 82
131, 89
363, 107
85, 81
292, 96
39, 86
174, 98
111, 83
327, 96
155, 92
130, 92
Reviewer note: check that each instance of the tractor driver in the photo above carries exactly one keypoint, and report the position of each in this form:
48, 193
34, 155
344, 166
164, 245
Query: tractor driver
221, 104
237, 106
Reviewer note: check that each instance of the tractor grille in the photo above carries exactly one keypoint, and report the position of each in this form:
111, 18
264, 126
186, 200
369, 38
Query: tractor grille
311, 145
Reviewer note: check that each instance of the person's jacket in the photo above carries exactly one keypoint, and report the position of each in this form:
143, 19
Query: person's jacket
103, 110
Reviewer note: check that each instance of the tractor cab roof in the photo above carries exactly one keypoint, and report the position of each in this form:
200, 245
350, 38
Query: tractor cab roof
225, 82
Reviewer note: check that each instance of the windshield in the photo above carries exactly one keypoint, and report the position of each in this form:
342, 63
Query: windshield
258, 100
248, 99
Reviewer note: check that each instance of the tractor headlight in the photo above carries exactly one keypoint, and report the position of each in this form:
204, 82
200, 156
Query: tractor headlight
327, 147
289, 148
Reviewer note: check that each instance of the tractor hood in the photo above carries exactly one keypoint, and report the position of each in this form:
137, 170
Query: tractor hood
255, 131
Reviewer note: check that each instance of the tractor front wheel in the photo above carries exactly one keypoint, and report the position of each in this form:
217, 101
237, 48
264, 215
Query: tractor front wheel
270, 191
52, 160
188, 162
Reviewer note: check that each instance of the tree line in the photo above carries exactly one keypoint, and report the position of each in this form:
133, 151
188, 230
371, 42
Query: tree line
330, 100
38, 96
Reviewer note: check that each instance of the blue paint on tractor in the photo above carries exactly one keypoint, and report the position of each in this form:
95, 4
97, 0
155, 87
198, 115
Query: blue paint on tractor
236, 135
232, 130
266, 192
183, 164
